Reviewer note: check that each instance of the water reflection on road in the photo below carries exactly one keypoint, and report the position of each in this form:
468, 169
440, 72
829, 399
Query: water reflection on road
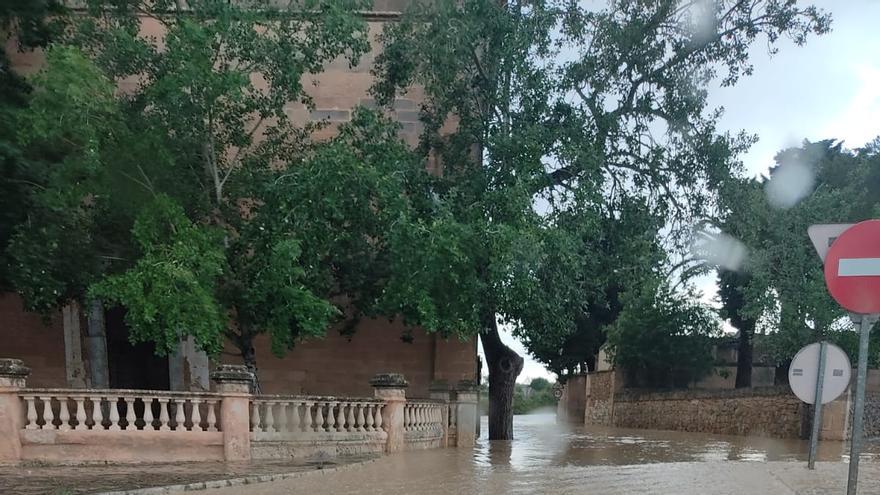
554, 459
542, 442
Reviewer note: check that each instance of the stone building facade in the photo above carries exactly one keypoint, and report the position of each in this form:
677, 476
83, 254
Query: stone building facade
58, 350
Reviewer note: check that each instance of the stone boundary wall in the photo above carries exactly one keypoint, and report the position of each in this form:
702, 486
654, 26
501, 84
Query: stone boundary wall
571, 405
600, 398
872, 414
769, 412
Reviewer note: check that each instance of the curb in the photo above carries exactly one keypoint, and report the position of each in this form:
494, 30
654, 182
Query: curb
246, 480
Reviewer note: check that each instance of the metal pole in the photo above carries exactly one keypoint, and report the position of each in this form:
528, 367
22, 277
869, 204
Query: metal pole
867, 321
817, 406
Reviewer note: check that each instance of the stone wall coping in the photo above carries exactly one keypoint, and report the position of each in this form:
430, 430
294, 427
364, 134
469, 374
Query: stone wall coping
601, 372
466, 386
232, 373
13, 368
313, 398
418, 400
628, 395
388, 380
113, 392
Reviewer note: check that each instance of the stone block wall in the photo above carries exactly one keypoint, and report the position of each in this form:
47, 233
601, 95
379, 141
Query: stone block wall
768, 412
600, 398
872, 414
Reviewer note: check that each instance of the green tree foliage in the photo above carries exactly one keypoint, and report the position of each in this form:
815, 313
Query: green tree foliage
565, 106
781, 289
662, 338
28, 25
65, 134
623, 251
539, 384
190, 197
528, 400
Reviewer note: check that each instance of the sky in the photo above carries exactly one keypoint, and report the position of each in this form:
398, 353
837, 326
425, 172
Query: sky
826, 89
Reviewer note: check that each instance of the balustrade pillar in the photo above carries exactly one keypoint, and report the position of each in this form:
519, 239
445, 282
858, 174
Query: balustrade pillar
349, 423
307, 420
340, 417
13, 377
467, 417
391, 388
148, 413
233, 383
113, 402
80, 413
97, 414
130, 418
212, 416
331, 416
294, 417
164, 418
281, 419
196, 415
63, 414
270, 418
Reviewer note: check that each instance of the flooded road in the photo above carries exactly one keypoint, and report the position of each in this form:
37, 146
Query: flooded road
541, 442
550, 458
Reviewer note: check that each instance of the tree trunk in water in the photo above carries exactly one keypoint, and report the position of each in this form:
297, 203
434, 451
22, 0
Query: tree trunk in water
744, 358
504, 366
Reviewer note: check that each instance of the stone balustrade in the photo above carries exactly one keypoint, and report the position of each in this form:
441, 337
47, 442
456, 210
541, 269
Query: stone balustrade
278, 414
421, 415
119, 410
425, 423
136, 426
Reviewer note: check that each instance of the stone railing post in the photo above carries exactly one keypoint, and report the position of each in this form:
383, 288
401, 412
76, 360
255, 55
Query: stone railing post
13, 375
233, 383
466, 408
391, 388
439, 390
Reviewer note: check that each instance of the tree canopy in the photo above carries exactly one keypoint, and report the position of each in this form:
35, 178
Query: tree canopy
541, 113
780, 290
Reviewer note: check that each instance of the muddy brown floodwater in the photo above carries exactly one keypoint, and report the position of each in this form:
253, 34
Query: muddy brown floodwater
550, 458
541, 442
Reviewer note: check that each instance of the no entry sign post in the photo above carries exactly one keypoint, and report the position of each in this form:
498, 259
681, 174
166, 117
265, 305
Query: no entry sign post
852, 275
855, 449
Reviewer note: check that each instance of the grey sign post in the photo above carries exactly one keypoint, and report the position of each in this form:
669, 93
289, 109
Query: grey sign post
819, 373
817, 407
865, 322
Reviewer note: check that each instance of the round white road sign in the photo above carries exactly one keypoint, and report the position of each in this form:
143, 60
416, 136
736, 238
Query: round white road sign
804, 371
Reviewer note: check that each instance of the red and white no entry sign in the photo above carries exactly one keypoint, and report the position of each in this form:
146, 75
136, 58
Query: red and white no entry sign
852, 268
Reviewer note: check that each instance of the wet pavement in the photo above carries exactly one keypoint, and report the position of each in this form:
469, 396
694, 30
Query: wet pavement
548, 458
37, 479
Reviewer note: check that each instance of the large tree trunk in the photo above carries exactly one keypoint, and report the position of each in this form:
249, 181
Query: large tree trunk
249, 356
744, 357
504, 366
96, 343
